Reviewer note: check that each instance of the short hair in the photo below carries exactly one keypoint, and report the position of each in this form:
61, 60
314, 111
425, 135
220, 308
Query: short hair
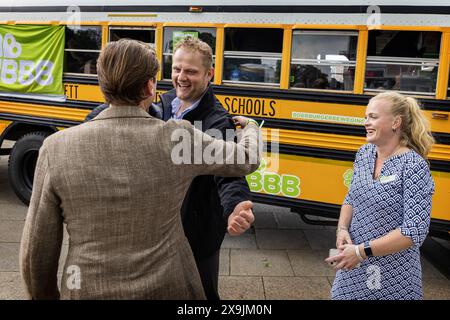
197, 45
124, 68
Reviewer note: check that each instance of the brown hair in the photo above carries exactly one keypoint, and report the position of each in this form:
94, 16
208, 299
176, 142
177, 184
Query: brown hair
415, 128
196, 45
124, 69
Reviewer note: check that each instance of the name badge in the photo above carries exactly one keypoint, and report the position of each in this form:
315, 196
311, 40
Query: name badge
386, 179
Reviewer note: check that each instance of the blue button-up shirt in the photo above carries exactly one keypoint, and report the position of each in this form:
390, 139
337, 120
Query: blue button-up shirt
176, 105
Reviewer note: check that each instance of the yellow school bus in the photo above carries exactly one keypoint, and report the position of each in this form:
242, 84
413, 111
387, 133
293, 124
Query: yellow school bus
306, 69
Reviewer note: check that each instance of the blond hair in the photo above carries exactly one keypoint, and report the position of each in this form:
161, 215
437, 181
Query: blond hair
196, 45
415, 128
124, 69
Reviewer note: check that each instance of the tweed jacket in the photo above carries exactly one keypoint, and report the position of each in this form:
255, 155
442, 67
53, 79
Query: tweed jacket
126, 240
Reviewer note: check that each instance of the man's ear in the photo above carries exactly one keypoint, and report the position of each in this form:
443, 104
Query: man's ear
211, 73
150, 87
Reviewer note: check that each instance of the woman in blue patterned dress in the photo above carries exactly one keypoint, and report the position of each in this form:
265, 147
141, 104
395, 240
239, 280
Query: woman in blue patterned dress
386, 213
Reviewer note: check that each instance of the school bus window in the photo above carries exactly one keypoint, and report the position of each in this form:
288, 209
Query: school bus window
173, 35
146, 35
323, 59
406, 61
82, 48
252, 55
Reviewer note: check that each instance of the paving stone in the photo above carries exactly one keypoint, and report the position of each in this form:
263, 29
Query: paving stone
265, 220
321, 239
11, 208
297, 288
436, 289
248, 262
12, 211
7, 194
310, 263
429, 271
224, 266
11, 230
244, 241
281, 239
12, 287
241, 288
331, 280
9, 256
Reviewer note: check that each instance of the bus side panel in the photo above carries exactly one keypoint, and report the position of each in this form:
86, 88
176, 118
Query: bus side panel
3, 125
324, 180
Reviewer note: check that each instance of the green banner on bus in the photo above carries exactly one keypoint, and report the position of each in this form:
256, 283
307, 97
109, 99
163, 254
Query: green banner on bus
31, 59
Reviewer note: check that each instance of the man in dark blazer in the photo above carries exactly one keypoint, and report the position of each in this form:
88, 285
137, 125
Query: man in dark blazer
210, 199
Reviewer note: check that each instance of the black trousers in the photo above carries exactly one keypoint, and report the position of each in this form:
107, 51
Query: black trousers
209, 273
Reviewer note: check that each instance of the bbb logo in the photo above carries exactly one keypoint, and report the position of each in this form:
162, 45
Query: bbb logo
23, 72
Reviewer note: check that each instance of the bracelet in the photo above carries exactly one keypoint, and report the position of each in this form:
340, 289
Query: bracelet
358, 254
251, 121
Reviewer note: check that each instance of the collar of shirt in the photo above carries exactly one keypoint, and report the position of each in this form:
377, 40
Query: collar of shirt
176, 105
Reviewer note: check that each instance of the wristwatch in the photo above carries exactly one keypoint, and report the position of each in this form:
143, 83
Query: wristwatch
367, 249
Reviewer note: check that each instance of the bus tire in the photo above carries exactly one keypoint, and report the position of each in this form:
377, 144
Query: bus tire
22, 163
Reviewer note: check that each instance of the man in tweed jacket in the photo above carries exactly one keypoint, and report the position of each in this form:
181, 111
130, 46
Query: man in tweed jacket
126, 240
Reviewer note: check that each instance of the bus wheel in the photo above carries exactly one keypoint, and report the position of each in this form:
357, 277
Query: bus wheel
22, 162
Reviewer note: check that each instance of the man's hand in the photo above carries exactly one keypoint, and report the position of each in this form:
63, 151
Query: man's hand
241, 219
241, 121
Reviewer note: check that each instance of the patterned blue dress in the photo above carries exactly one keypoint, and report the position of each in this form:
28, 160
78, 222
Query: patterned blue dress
400, 198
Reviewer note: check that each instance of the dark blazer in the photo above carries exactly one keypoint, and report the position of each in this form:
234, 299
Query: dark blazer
210, 199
